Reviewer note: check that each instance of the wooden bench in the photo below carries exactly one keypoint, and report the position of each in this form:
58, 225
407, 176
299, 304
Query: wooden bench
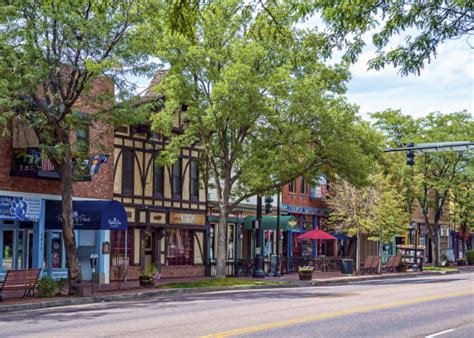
20, 280
367, 266
371, 265
393, 264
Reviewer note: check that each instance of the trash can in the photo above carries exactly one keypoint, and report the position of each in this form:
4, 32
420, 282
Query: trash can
347, 266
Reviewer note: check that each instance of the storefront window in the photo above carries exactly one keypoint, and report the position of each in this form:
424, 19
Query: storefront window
58, 260
230, 242
212, 231
179, 247
118, 246
268, 248
8, 237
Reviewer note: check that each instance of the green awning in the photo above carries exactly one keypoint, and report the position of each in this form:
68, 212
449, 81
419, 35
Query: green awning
215, 219
270, 222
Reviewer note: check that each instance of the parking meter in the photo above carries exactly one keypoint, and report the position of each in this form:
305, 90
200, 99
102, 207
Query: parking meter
93, 261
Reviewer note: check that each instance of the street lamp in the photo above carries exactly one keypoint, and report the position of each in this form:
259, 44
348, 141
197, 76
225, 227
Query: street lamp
259, 273
277, 268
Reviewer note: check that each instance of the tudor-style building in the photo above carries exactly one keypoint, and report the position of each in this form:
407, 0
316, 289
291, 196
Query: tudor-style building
166, 205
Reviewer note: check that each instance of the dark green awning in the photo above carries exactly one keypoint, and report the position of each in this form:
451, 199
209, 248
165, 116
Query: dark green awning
215, 219
270, 222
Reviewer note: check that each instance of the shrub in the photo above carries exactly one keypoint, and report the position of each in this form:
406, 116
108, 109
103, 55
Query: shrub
46, 287
470, 257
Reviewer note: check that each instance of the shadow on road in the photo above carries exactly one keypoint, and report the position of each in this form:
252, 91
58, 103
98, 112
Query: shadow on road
97, 310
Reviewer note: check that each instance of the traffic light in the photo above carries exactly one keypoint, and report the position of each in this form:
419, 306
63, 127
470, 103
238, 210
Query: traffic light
268, 204
410, 153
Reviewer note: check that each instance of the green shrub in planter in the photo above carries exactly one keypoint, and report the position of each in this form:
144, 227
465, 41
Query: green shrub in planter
470, 257
46, 287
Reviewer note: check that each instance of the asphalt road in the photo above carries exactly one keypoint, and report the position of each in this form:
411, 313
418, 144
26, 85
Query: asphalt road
440, 306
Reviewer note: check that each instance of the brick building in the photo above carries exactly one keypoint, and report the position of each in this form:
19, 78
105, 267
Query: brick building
306, 204
28, 237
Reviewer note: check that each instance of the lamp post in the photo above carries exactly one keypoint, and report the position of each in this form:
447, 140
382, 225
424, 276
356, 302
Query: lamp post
259, 273
415, 267
277, 268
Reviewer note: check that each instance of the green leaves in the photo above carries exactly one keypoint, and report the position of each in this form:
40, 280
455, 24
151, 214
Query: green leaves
427, 24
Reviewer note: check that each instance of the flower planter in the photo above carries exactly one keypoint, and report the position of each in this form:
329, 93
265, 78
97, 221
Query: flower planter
461, 262
306, 275
146, 282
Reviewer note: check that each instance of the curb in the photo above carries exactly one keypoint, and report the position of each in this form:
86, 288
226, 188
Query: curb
349, 280
136, 296
184, 291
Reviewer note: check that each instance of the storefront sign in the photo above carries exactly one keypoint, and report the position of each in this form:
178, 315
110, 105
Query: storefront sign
179, 218
20, 208
305, 210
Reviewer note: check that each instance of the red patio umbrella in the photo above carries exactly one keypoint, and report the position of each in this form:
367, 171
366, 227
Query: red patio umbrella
316, 234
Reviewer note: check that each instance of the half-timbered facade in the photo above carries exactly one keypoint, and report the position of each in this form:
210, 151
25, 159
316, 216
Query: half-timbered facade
165, 205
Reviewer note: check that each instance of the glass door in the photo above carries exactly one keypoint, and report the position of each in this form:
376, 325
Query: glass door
8, 249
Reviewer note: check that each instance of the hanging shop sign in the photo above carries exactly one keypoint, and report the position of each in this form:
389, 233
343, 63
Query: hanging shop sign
180, 218
20, 208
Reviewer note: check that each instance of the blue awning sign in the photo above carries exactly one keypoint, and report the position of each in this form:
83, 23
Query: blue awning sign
89, 215
20, 208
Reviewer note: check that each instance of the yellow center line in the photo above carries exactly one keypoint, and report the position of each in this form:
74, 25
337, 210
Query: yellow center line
328, 315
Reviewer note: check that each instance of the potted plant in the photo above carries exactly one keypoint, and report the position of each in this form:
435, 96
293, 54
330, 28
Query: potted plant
149, 277
444, 260
305, 272
461, 261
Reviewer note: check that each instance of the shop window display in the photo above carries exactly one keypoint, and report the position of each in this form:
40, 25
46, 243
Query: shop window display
179, 247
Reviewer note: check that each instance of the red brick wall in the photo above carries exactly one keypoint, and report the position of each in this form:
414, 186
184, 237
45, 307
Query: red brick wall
178, 271
101, 141
299, 199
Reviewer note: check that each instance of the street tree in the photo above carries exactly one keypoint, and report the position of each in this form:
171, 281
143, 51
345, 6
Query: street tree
51, 53
376, 210
259, 101
424, 25
462, 203
435, 175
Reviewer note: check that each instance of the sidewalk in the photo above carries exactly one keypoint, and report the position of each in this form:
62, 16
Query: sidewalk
136, 293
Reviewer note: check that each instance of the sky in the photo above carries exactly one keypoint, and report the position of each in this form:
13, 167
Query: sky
445, 85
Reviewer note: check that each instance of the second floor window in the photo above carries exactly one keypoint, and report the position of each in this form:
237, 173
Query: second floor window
127, 172
82, 140
176, 179
302, 185
158, 181
292, 186
194, 179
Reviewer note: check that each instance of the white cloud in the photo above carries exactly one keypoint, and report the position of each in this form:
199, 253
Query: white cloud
445, 85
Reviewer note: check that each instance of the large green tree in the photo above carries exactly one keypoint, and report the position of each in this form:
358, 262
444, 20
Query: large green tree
435, 175
51, 52
259, 100
424, 25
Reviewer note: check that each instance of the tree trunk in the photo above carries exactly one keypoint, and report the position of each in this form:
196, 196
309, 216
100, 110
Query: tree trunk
74, 267
435, 248
221, 244
358, 252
